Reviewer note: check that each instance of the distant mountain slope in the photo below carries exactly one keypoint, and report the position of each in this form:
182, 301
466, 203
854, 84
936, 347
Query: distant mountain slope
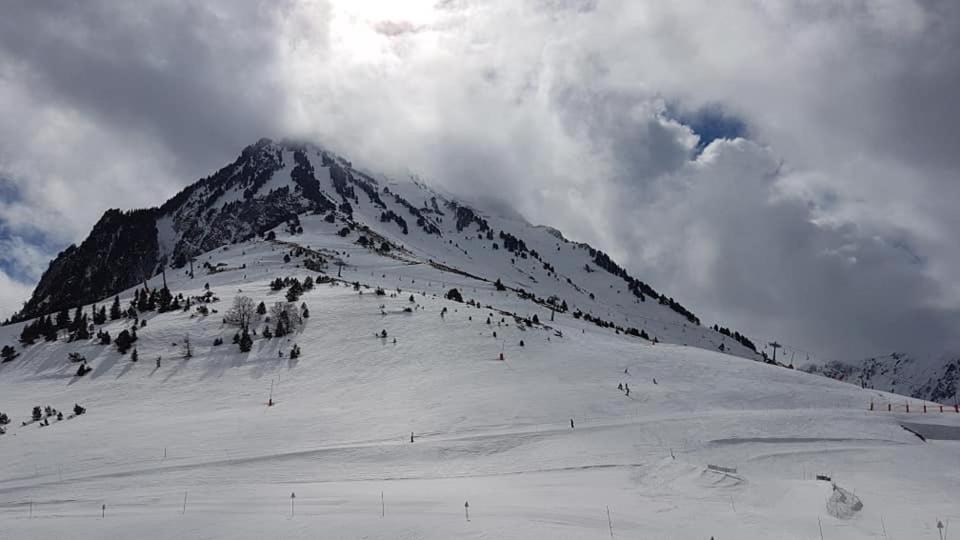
275, 184
934, 378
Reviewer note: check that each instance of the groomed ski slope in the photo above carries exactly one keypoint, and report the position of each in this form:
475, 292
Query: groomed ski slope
492, 433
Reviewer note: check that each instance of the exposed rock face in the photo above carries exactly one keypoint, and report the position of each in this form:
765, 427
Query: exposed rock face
124, 248
120, 251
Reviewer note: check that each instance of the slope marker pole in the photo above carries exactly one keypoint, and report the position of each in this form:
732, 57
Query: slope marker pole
184, 511
610, 523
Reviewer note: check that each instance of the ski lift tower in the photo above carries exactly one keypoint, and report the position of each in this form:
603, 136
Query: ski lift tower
775, 346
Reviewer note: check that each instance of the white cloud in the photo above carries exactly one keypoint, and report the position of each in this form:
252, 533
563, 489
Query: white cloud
12, 295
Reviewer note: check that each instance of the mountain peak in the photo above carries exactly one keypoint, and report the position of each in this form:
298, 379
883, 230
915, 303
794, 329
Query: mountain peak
291, 186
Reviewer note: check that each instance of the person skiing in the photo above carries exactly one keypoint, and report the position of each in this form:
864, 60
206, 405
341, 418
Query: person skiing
158, 362
626, 371
627, 389
620, 387
571, 423
411, 436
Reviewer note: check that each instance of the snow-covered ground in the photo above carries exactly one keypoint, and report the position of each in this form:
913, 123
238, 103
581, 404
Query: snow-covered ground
191, 449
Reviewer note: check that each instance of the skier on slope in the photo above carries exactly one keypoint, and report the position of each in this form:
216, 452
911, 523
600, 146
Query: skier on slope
620, 387
627, 388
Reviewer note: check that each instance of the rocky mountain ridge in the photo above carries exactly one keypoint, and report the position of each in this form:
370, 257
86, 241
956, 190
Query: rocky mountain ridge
274, 184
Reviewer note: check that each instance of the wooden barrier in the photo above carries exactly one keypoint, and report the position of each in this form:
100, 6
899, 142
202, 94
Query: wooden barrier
906, 408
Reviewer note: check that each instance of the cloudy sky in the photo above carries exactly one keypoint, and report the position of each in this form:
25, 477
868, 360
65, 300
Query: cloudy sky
787, 168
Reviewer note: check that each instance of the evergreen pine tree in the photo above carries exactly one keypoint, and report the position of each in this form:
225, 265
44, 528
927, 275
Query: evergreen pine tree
29, 334
246, 342
7, 354
281, 328
143, 300
81, 329
164, 300
49, 329
63, 319
296, 289
123, 341
454, 294
115, 309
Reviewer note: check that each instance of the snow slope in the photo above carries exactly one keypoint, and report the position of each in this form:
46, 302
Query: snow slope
191, 449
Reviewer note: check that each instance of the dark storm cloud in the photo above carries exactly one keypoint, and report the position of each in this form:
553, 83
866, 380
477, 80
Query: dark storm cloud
194, 77
788, 169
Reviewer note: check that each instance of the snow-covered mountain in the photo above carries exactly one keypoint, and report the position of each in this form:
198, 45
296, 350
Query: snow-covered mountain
273, 184
930, 377
296, 348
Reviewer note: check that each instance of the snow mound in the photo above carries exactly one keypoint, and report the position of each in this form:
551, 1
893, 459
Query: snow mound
842, 504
